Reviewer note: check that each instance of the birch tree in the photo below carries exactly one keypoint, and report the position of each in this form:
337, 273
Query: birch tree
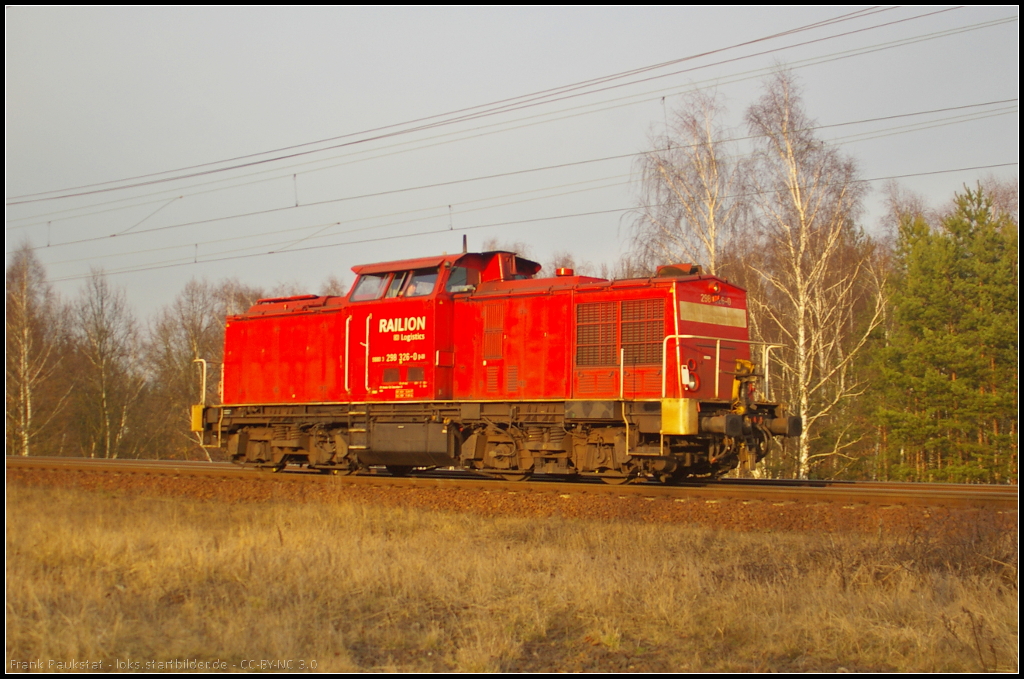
110, 379
236, 297
691, 196
34, 352
819, 295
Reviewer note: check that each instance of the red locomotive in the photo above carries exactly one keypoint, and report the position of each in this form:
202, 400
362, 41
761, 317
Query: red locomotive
470, 361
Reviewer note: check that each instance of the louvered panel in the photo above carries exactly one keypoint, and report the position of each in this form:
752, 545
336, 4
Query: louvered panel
596, 333
643, 330
597, 383
492, 345
494, 316
643, 309
492, 379
642, 383
512, 378
596, 355
494, 327
596, 312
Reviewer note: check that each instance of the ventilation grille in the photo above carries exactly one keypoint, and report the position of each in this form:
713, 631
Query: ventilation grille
492, 378
595, 333
596, 383
512, 378
643, 329
494, 326
635, 326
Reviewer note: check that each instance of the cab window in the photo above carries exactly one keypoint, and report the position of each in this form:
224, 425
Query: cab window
397, 283
370, 286
462, 279
422, 283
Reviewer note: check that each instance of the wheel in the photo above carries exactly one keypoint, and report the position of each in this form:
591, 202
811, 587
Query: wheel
718, 471
398, 470
515, 478
616, 479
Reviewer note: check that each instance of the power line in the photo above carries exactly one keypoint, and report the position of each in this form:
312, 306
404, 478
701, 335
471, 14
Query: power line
844, 17
286, 208
320, 228
805, 63
182, 261
549, 96
433, 208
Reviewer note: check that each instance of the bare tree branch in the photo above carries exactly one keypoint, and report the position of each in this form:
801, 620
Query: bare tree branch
812, 262
690, 188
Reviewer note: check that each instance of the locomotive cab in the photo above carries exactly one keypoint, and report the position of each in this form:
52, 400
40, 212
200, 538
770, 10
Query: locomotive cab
408, 314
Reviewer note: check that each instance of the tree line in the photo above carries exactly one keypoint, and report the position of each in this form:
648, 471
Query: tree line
898, 350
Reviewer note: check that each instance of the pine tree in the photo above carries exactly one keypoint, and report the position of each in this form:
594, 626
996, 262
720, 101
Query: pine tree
950, 370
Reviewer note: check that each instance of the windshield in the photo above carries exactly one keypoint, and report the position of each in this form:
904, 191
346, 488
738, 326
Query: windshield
369, 287
418, 283
422, 283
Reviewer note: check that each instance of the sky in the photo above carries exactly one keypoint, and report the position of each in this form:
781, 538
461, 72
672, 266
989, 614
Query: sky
281, 146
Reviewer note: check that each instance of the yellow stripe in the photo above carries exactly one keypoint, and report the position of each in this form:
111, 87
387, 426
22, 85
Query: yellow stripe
709, 313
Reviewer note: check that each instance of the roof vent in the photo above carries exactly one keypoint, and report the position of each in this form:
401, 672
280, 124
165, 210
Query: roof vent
670, 270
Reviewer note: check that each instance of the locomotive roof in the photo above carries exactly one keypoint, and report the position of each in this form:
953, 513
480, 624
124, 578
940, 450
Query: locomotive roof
471, 260
404, 264
489, 285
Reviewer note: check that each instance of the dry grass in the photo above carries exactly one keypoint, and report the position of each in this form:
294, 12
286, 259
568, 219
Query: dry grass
95, 576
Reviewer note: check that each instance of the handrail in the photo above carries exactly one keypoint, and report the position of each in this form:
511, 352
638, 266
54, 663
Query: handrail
679, 360
622, 373
348, 340
766, 348
622, 392
202, 392
366, 375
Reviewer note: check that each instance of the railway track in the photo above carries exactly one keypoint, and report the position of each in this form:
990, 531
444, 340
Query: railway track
991, 497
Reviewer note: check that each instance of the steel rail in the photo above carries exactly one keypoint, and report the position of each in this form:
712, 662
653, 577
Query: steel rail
995, 497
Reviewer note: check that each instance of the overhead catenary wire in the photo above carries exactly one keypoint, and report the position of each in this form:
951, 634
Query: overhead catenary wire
280, 209
504, 109
544, 118
283, 246
439, 209
320, 228
194, 260
316, 232
531, 97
